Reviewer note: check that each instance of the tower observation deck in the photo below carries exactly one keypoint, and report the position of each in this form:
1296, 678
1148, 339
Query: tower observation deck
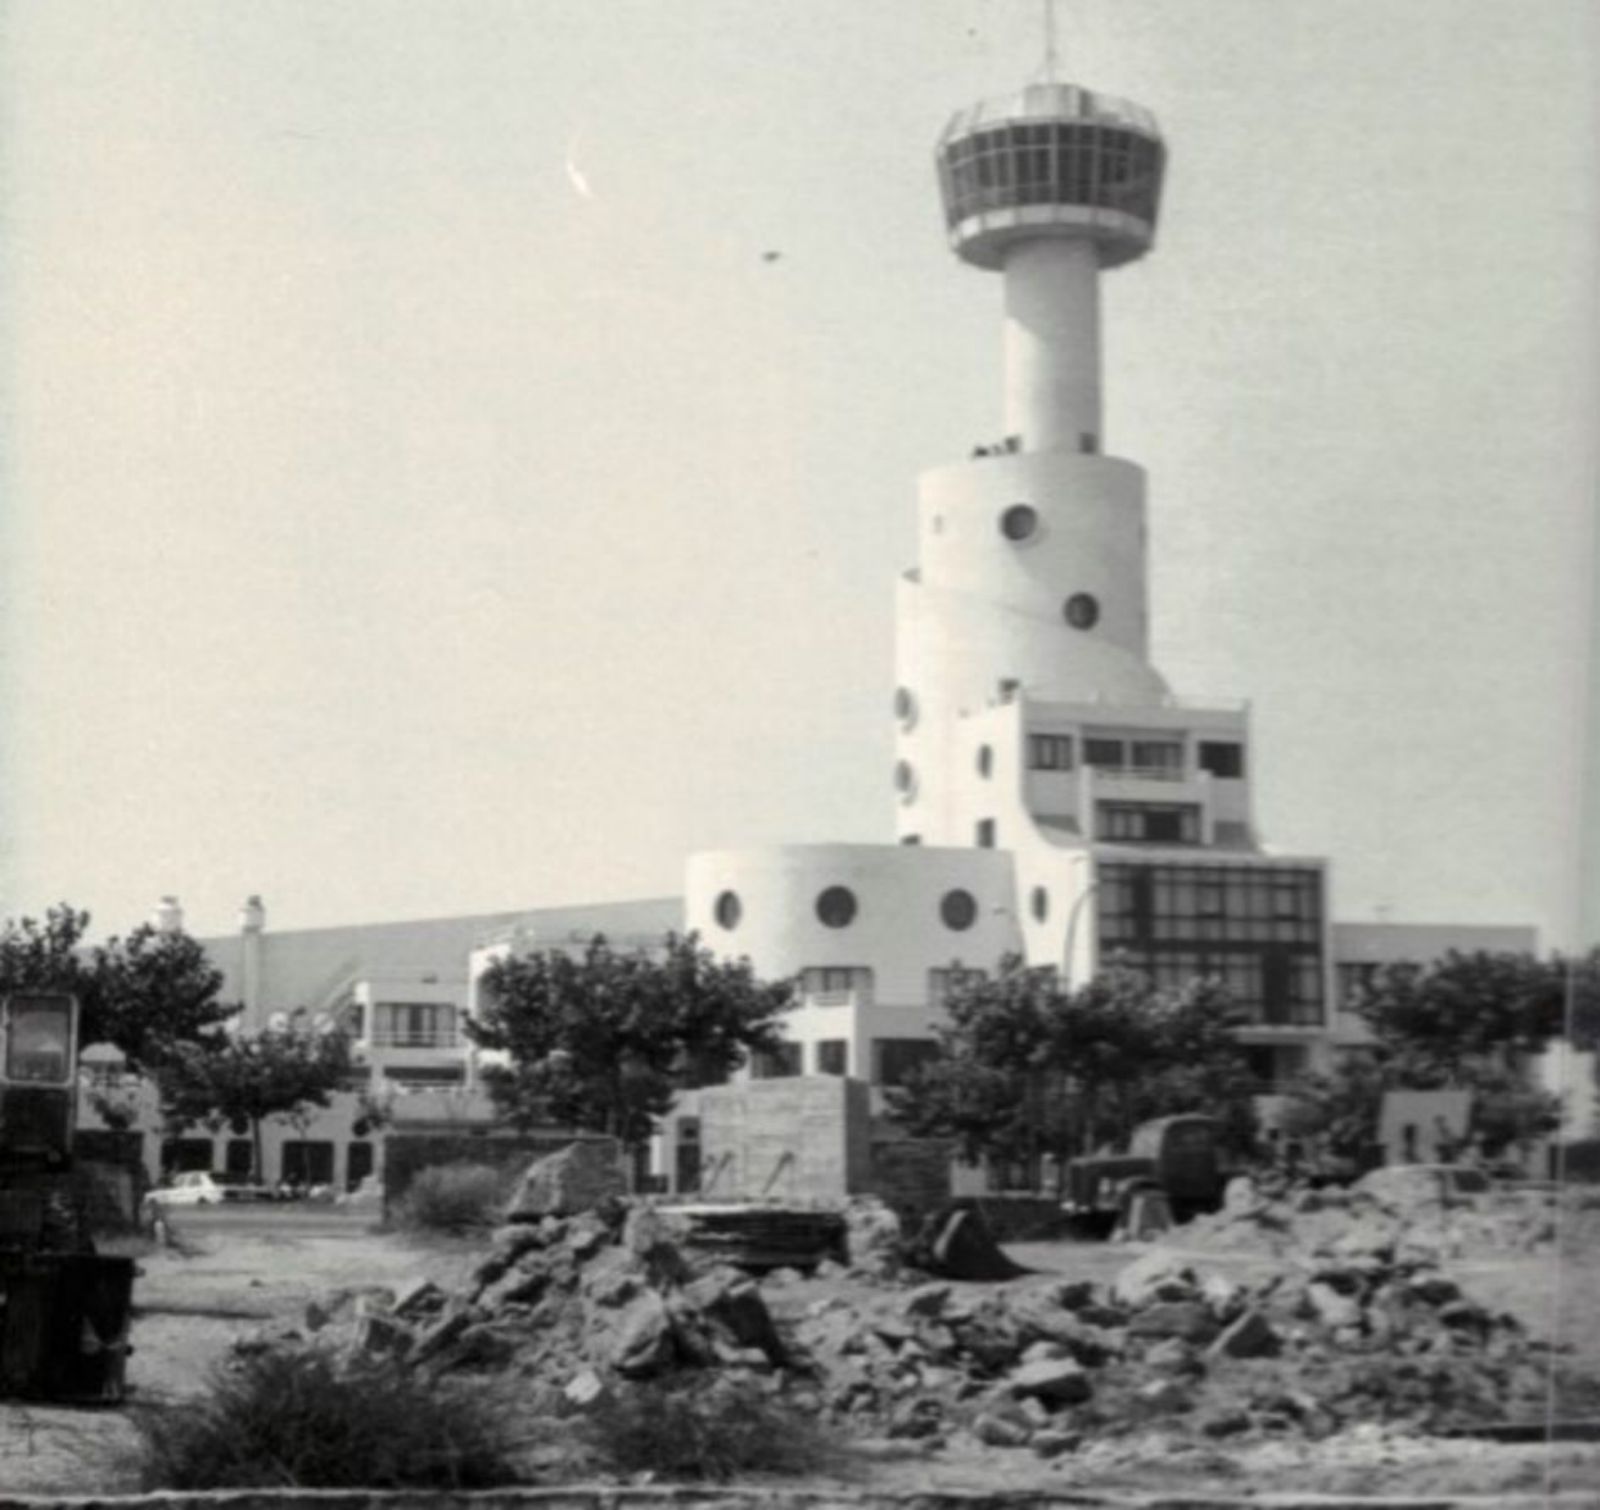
1048, 187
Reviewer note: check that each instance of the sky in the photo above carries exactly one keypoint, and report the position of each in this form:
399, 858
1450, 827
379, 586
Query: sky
422, 491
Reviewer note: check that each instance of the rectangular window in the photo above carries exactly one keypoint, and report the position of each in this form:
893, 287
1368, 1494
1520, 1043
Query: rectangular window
1049, 752
897, 1058
1222, 758
39, 1039
835, 985
782, 1064
943, 983
1161, 758
414, 1025
1147, 823
1356, 982
307, 1162
833, 1057
1105, 754
426, 1076
984, 834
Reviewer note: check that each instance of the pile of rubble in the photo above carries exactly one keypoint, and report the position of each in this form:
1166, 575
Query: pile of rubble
1402, 1209
572, 1308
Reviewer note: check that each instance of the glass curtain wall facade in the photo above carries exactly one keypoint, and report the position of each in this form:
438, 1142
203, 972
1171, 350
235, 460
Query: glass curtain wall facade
1257, 929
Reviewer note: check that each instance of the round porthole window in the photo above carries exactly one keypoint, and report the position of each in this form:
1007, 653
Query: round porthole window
836, 907
728, 910
905, 780
985, 761
1082, 610
1041, 904
959, 909
1019, 522
905, 706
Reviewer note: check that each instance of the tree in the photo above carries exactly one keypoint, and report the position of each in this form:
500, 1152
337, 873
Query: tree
143, 995
241, 1082
152, 992
1464, 1022
603, 1041
1027, 1067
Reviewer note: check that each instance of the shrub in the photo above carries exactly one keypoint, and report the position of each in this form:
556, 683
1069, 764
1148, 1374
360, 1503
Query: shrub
296, 1420
689, 1432
454, 1198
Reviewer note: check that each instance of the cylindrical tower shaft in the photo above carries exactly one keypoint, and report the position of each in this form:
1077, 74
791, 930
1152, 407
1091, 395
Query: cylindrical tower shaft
1052, 343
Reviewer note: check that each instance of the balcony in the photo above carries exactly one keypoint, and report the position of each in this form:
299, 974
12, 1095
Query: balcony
415, 1038
1141, 772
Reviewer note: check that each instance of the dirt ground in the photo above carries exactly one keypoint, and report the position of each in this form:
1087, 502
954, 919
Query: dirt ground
194, 1300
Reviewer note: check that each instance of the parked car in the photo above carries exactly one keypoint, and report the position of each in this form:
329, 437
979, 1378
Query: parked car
194, 1187
199, 1187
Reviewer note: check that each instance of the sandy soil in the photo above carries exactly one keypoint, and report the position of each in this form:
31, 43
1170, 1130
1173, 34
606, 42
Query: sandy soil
194, 1301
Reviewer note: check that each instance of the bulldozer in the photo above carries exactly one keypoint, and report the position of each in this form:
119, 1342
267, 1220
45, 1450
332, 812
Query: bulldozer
64, 1309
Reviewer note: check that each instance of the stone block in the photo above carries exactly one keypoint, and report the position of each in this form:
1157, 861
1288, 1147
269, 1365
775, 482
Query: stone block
579, 1177
1188, 1319
1251, 1336
1055, 1381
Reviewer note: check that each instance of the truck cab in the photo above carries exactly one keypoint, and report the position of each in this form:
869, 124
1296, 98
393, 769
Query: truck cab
1181, 1157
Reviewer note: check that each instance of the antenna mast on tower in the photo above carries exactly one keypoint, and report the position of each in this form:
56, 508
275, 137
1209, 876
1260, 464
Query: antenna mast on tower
1052, 57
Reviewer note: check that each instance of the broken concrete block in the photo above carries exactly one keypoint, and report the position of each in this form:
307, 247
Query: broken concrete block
1155, 1276
927, 1300
1073, 1294
1056, 1381
1052, 1441
641, 1344
1166, 1396
1331, 1308
577, 1178
417, 1298
1174, 1356
1000, 1431
1251, 1336
585, 1389
383, 1336
1224, 1422
1188, 1319
441, 1333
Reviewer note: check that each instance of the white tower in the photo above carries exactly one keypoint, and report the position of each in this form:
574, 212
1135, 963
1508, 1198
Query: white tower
1032, 553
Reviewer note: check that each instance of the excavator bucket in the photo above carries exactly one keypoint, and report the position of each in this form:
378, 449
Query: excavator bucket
64, 1326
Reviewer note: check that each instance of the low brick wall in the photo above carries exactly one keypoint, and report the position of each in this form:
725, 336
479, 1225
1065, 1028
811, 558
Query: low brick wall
791, 1141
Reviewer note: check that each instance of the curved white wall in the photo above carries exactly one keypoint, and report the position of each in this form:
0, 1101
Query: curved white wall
983, 609
897, 931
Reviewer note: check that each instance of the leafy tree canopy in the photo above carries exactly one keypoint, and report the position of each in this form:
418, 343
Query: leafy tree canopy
145, 994
1466, 1022
1027, 1066
1445, 1020
241, 1081
603, 1040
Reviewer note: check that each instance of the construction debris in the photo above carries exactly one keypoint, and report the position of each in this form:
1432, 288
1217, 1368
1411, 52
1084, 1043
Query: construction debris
577, 1307
1385, 1211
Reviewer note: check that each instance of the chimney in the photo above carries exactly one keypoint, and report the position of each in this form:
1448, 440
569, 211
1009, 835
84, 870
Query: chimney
252, 923
168, 916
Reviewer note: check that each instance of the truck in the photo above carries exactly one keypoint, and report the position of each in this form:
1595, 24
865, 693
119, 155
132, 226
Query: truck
1179, 1157
64, 1308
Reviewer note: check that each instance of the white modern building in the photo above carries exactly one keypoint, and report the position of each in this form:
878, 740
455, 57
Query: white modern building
1053, 798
